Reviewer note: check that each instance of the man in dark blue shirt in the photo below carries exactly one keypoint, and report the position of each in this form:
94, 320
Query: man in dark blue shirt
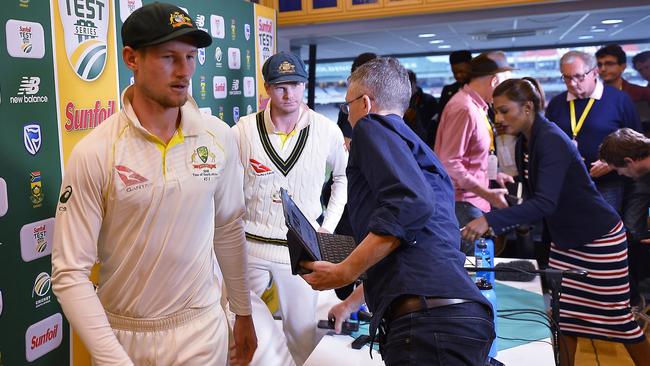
401, 206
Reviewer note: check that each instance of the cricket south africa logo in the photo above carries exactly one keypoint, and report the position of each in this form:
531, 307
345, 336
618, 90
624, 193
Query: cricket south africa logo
85, 28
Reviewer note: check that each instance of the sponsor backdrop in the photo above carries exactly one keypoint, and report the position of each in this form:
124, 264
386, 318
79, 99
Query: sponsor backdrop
61, 76
264, 47
86, 60
32, 330
227, 75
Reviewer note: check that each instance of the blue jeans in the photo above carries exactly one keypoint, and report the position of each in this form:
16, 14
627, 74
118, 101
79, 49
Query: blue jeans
466, 212
612, 192
451, 335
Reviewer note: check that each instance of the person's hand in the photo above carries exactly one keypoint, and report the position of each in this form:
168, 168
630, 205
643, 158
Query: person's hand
599, 168
325, 275
323, 230
475, 229
645, 241
245, 343
341, 312
503, 178
497, 198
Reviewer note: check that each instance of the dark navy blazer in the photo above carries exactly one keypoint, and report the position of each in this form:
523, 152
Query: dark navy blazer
561, 191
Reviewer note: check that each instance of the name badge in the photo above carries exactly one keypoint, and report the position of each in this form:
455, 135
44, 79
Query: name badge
493, 164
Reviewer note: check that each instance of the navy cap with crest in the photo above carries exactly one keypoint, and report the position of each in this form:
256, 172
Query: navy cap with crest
157, 23
284, 68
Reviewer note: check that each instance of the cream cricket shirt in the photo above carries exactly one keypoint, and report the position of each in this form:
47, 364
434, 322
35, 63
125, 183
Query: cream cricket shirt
298, 162
149, 213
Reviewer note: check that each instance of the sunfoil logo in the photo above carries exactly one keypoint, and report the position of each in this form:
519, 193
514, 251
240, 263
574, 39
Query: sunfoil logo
43, 337
85, 28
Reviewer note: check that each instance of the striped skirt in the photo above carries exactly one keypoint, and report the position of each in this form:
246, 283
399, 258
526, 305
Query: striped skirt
597, 306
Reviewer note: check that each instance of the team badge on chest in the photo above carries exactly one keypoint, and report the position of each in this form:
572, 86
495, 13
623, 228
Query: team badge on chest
204, 163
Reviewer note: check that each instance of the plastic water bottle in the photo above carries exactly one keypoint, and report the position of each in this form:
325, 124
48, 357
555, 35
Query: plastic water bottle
483, 259
355, 315
491, 295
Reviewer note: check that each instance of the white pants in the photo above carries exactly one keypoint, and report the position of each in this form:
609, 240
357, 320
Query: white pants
192, 337
298, 308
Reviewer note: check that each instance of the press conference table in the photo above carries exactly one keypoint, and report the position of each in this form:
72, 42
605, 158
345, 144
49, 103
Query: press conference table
336, 350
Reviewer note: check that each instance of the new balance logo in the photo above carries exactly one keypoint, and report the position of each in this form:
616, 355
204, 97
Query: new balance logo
29, 85
259, 168
28, 91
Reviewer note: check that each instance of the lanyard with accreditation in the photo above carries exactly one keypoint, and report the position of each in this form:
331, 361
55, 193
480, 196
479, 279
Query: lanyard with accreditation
577, 126
493, 162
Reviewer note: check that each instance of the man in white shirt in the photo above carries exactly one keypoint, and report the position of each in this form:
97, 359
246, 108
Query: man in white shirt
289, 146
152, 194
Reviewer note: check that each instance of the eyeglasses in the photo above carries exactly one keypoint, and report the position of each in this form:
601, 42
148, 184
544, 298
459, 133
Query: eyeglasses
345, 107
577, 78
607, 63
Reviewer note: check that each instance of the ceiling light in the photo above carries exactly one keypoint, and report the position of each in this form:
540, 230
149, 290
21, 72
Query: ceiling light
585, 37
598, 30
612, 21
504, 34
436, 41
444, 46
426, 35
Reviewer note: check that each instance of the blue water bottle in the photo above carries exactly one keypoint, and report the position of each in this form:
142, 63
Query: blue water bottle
488, 291
355, 315
484, 258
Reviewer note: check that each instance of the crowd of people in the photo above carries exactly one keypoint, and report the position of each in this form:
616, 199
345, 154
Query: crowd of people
189, 238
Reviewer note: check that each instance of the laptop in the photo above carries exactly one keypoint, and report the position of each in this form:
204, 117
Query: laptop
305, 243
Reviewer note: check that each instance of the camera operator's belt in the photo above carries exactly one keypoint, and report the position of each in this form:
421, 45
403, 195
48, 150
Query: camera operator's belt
409, 304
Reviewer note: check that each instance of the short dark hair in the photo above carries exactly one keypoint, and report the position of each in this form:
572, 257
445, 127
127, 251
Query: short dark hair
521, 91
412, 77
624, 143
458, 57
612, 50
640, 57
362, 59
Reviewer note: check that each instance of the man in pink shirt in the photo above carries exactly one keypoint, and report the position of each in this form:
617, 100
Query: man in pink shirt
465, 143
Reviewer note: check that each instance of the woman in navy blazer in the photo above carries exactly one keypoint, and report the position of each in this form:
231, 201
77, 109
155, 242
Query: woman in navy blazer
586, 232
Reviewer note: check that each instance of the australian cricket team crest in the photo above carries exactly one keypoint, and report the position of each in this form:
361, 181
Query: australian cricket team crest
247, 31
204, 163
286, 68
85, 28
178, 19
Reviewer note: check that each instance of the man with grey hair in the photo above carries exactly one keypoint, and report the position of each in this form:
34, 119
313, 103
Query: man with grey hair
587, 112
401, 204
